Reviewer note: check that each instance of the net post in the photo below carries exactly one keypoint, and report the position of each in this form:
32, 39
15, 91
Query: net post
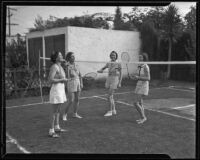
40, 79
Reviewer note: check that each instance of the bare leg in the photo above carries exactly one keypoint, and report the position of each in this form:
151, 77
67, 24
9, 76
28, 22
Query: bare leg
111, 102
139, 106
76, 101
53, 121
58, 117
70, 98
57, 126
76, 104
142, 108
69, 102
54, 115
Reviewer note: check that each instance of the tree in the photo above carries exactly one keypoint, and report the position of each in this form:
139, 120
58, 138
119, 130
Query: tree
190, 19
190, 46
171, 26
39, 24
81, 21
16, 52
149, 39
155, 16
118, 22
100, 23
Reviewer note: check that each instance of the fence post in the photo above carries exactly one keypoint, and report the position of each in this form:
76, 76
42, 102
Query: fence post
15, 81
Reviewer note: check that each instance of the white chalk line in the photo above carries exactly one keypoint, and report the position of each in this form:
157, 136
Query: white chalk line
173, 87
14, 141
32, 104
47, 102
181, 107
174, 115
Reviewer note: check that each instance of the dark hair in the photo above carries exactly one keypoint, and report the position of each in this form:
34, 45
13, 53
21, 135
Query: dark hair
145, 56
54, 56
115, 54
68, 56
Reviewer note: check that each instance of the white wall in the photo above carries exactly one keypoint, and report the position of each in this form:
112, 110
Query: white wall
90, 44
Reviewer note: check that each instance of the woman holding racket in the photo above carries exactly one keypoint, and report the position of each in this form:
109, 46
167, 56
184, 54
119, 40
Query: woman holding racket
57, 92
113, 80
74, 85
142, 87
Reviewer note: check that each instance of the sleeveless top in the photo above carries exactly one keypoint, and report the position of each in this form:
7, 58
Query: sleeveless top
61, 71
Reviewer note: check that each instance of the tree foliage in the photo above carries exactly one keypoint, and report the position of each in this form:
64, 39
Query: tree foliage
171, 26
16, 53
149, 39
118, 22
79, 21
190, 19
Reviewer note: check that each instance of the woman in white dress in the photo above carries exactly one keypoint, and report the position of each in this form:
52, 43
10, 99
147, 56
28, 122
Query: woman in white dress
142, 87
57, 93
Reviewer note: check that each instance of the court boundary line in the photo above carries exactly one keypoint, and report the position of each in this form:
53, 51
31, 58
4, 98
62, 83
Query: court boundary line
190, 88
174, 115
172, 87
187, 106
47, 102
14, 141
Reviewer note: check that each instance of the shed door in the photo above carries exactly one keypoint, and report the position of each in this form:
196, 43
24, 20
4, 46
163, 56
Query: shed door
34, 49
52, 44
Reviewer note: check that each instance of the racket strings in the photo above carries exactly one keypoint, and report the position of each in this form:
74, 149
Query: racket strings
125, 57
90, 75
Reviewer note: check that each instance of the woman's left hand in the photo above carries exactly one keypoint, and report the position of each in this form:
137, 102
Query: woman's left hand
135, 77
119, 84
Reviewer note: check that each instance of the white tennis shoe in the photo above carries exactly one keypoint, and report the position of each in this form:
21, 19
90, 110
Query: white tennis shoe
53, 134
64, 117
77, 116
109, 113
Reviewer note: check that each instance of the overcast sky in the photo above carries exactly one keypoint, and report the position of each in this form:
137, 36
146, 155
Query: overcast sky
25, 15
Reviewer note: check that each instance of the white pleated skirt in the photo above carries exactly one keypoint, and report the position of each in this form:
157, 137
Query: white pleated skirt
57, 93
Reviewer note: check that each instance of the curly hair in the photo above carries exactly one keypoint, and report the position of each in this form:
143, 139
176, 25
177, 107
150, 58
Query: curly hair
68, 56
145, 56
54, 56
115, 54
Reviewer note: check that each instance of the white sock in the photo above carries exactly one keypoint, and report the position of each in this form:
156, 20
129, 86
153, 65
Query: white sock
51, 130
57, 127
